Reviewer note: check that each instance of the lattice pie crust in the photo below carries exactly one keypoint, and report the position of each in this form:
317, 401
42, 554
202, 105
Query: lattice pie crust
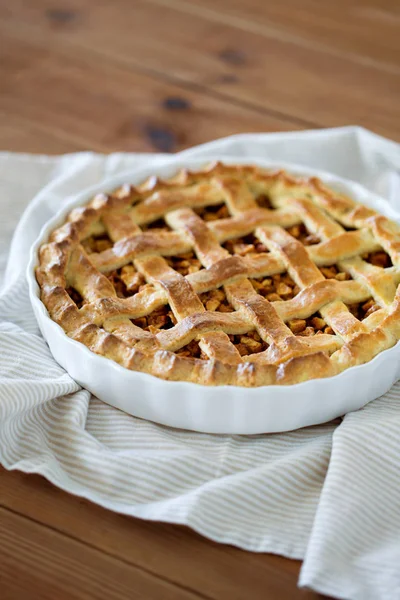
230, 275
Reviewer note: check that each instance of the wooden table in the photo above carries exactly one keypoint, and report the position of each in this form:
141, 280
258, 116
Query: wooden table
162, 75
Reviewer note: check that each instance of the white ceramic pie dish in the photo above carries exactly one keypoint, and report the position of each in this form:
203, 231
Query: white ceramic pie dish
219, 409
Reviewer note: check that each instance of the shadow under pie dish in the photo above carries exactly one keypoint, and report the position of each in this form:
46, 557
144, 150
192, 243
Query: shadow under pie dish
226, 275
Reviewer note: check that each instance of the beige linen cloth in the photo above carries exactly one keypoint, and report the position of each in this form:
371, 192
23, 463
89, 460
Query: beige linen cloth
329, 494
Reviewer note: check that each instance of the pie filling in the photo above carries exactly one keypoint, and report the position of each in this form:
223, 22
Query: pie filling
248, 244
378, 259
279, 287
213, 212
161, 318
264, 201
97, 243
185, 263
192, 350
301, 233
158, 225
75, 296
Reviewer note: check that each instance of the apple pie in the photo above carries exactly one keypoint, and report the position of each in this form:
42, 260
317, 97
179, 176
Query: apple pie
232, 275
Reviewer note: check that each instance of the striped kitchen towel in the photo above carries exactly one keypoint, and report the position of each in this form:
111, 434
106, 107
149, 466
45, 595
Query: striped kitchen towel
329, 494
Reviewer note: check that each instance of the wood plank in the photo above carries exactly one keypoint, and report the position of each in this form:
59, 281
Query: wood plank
21, 135
171, 552
258, 69
110, 107
363, 31
36, 562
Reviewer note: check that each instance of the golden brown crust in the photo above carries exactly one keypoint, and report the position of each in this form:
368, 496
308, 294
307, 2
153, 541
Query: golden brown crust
340, 232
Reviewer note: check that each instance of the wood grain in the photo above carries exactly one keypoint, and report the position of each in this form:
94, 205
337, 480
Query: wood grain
109, 107
37, 562
361, 31
19, 134
164, 75
172, 553
254, 65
